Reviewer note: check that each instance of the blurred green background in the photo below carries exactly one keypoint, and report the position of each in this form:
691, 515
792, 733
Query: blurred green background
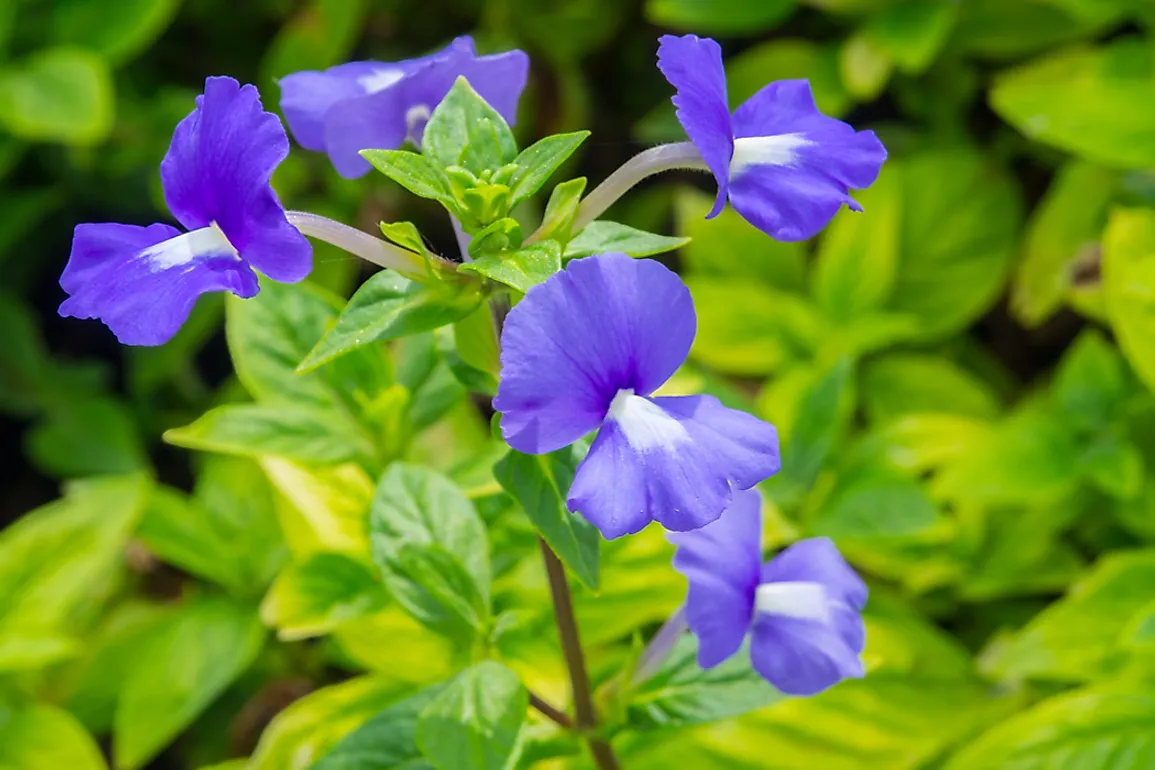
962, 377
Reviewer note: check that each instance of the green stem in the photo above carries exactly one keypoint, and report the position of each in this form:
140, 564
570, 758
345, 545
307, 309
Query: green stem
586, 715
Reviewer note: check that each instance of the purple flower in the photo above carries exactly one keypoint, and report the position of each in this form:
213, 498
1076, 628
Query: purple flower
377, 106
142, 282
785, 166
801, 608
584, 351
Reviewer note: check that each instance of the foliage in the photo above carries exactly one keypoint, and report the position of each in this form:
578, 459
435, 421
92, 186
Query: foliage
343, 572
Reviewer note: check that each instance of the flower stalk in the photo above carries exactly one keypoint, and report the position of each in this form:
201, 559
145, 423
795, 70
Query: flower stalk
369, 247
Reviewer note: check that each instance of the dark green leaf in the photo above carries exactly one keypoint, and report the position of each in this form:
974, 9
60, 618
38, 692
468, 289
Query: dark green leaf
816, 429
540, 484
875, 503
719, 17
602, 236
119, 31
388, 741
429, 544
1091, 382
538, 162
386, 307
522, 269
84, 437
475, 722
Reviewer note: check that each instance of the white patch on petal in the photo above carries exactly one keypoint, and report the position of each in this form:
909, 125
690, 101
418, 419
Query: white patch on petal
415, 119
780, 150
793, 599
380, 79
187, 247
644, 424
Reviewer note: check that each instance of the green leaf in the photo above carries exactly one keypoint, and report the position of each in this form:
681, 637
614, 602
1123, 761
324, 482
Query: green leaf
1063, 232
318, 35
817, 427
111, 652
439, 592
681, 693
43, 737
1076, 638
270, 334
388, 741
875, 503
298, 432
420, 521
1030, 457
864, 66
959, 220
498, 236
87, 436
415, 172
456, 125
304, 732
57, 561
119, 31
540, 484
1114, 465
1096, 102
912, 32
475, 722
1091, 382
1106, 728
312, 597
747, 329
236, 545
719, 17
858, 257
729, 246
602, 236
475, 338
321, 509
996, 29
561, 210
522, 269
191, 659
386, 307
538, 162
897, 384
782, 59
1129, 285
58, 95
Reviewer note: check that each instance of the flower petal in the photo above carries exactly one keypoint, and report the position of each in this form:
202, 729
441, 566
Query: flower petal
817, 560
801, 656
693, 66
384, 118
604, 324
217, 170
307, 96
142, 282
721, 561
673, 460
793, 167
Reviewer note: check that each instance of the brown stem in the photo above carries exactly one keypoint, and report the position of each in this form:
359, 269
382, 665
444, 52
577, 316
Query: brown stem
553, 713
563, 613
